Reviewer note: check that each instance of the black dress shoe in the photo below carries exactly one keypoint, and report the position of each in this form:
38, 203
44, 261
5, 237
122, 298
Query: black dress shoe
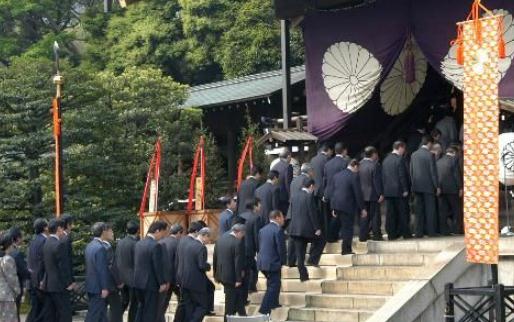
378, 238
211, 313
347, 253
291, 266
313, 265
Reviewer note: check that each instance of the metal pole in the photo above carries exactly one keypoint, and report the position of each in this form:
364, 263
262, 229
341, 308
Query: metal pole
449, 312
56, 110
286, 71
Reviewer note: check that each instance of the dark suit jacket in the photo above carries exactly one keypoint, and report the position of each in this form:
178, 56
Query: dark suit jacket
246, 192
57, 272
370, 174
423, 171
253, 224
304, 217
296, 187
449, 175
124, 259
35, 260
182, 249
332, 167
272, 248
114, 274
269, 195
97, 268
170, 246
21, 267
345, 192
225, 222
229, 260
67, 240
395, 176
285, 176
192, 258
148, 268
318, 164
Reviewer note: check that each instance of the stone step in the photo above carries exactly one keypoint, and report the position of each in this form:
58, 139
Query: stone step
334, 260
328, 315
344, 301
279, 314
292, 285
362, 287
386, 273
390, 259
335, 248
286, 298
421, 245
322, 272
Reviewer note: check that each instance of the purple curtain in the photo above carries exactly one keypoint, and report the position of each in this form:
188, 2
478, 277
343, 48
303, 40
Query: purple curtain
381, 28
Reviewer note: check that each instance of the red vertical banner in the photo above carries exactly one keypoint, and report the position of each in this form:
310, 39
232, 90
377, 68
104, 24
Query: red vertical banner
246, 153
199, 160
56, 116
153, 174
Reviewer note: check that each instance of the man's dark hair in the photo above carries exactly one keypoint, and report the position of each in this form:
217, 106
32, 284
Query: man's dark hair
39, 225
202, 223
194, 227
326, 146
157, 225
353, 163
54, 224
275, 214
435, 132
176, 229
98, 228
340, 147
369, 151
398, 144
308, 182
226, 200
68, 220
426, 139
132, 227
6, 240
15, 233
252, 203
256, 170
272, 175
451, 149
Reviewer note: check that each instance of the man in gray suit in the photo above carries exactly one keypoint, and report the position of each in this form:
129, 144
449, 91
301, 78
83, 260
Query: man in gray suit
447, 128
318, 164
425, 186
450, 181
370, 173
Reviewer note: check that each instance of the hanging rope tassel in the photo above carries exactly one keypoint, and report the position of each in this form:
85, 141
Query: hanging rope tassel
501, 40
409, 64
459, 42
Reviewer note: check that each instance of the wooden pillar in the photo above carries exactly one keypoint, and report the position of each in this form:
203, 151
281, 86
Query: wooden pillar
286, 71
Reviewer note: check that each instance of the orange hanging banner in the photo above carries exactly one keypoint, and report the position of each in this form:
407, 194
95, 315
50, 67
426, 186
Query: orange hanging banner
199, 159
247, 152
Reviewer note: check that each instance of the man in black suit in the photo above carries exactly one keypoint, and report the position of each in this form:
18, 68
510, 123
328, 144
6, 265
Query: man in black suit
148, 272
248, 187
345, 195
285, 176
21, 264
318, 164
68, 242
395, 180
228, 214
99, 281
370, 174
251, 240
269, 195
196, 286
335, 165
271, 257
57, 282
425, 186
124, 262
304, 226
229, 269
450, 181
114, 301
170, 246
36, 268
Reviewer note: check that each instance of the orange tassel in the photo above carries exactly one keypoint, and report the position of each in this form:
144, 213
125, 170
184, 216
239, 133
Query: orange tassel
501, 48
460, 53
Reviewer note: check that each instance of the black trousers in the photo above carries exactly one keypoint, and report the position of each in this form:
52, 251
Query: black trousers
37, 306
253, 274
324, 215
129, 300
234, 300
271, 297
196, 305
96, 309
397, 218
426, 214
291, 252
114, 311
372, 221
449, 208
58, 307
300, 244
148, 305
346, 231
317, 246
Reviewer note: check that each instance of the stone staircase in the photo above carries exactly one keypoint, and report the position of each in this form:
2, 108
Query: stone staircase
344, 288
